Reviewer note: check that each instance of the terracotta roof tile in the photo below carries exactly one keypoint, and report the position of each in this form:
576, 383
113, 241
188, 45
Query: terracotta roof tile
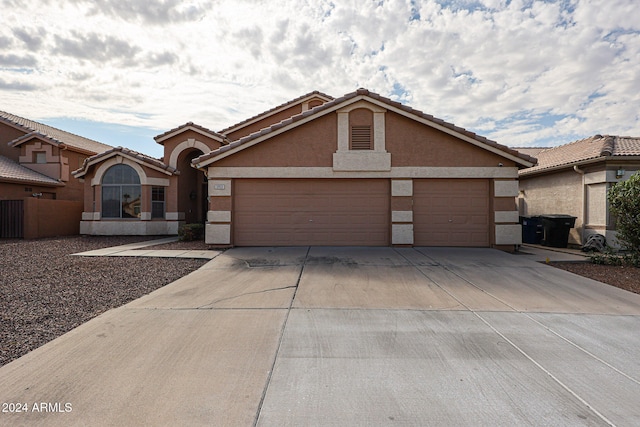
583, 150
627, 146
362, 92
12, 171
274, 109
67, 138
530, 151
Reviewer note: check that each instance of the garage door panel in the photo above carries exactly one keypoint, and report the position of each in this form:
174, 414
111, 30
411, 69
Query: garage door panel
451, 212
311, 212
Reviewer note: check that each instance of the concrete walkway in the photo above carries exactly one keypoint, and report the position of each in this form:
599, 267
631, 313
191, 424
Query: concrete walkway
140, 250
347, 336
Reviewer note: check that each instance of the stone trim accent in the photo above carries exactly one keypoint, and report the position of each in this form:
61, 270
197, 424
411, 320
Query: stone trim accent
378, 159
401, 187
506, 216
218, 227
218, 234
219, 187
505, 188
406, 172
189, 143
219, 216
402, 216
402, 234
401, 220
508, 234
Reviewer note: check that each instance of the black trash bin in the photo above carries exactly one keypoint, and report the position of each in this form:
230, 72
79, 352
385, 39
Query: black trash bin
532, 230
556, 229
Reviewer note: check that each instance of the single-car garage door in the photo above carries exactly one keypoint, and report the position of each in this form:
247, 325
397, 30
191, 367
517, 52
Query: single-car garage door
330, 212
451, 212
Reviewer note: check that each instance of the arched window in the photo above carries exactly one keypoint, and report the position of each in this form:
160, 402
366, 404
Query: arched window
121, 192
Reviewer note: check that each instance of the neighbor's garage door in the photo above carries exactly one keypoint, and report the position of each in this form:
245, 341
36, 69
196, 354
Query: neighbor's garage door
451, 212
340, 212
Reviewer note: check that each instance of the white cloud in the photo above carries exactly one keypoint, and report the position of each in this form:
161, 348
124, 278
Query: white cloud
521, 72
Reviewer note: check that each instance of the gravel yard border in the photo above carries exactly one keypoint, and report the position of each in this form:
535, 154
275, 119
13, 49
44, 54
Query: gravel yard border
45, 292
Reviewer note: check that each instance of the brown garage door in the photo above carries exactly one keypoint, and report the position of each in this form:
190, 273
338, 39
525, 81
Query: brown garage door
451, 212
334, 212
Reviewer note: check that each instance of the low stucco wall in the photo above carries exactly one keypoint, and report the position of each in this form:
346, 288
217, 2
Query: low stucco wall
129, 228
49, 218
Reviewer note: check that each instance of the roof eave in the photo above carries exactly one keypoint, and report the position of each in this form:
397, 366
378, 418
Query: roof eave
527, 172
160, 139
269, 113
31, 182
37, 135
99, 158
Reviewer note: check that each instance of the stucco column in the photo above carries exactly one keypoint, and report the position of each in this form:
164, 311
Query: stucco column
508, 231
402, 212
218, 227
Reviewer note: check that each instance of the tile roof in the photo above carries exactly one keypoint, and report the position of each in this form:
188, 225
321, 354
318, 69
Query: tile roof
143, 158
588, 149
372, 95
530, 151
160, 138
15, 172
274, 109
67, 138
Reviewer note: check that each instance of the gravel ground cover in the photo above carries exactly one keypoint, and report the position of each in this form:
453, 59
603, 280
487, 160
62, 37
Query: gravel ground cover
627, 278
45, 293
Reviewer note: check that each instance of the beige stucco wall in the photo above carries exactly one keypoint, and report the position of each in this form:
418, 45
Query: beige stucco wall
415, 151
7, 134
559, 193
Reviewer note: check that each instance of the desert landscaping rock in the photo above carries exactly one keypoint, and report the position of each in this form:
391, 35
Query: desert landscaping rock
45, 293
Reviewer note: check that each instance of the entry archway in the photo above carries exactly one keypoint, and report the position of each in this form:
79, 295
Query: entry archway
192, 188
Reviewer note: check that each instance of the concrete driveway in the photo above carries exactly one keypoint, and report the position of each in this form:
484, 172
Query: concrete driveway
346, 336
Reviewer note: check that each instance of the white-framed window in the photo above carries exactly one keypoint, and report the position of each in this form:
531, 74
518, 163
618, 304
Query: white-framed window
157, 202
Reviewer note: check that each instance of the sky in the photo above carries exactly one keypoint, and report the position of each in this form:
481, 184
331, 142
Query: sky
519, 72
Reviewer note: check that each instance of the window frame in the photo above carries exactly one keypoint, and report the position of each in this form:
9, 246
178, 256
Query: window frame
155, 193
113, 194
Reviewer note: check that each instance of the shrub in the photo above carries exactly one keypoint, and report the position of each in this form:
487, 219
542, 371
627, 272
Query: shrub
624, 202
190, 232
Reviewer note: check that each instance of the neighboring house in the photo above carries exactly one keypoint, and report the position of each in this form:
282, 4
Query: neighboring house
38, 195
574, 178
357, 170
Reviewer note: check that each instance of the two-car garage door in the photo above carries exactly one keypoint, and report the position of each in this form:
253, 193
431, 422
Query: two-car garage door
289, 212
356, 212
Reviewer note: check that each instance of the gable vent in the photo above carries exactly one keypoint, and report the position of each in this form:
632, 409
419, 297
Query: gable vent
361, 138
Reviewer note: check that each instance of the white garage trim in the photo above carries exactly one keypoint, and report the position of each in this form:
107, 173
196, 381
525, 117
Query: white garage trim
219, 216
402, 234
505, 188
506, 216
397, 172
401, 187
508, 234
218, 234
